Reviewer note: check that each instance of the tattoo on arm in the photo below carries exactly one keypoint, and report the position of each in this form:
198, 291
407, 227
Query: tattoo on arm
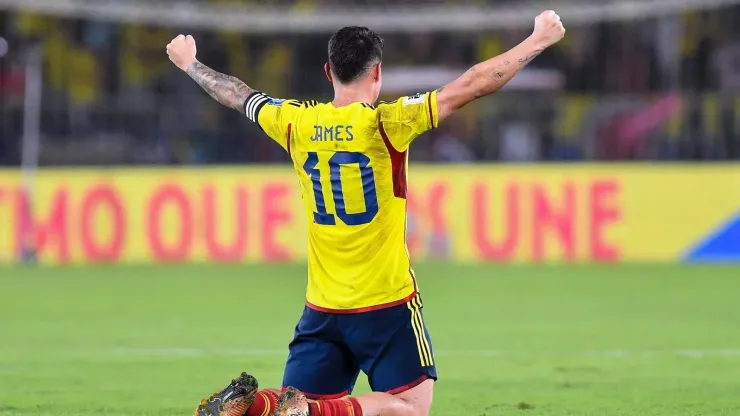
227, 90
486, 78
527, 59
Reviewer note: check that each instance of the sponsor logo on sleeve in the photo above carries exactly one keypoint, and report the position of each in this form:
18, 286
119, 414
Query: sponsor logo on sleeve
413, 99
275, 101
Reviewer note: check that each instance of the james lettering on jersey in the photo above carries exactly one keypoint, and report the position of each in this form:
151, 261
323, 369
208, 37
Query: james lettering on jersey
363, 311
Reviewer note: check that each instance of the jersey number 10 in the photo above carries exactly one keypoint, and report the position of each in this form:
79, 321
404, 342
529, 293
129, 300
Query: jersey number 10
368, 188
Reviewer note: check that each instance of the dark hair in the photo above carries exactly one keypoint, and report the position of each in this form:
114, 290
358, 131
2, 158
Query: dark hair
352, 51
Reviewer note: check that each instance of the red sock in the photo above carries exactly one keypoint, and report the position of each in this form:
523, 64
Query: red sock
265, 402
348, 406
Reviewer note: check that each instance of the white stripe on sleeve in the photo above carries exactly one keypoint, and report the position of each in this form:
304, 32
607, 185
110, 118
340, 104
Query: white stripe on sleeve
254, 102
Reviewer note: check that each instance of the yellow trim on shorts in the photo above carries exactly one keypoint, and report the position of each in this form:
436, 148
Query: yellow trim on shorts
417, 323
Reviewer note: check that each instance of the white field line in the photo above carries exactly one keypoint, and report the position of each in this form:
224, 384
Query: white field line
185, 353
727, 353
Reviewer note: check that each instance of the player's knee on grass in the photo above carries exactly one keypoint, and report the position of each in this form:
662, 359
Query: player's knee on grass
385, 404
420, 398
416, 401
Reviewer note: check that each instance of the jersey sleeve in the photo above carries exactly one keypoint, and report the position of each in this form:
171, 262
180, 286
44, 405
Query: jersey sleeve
273, 116
407, 118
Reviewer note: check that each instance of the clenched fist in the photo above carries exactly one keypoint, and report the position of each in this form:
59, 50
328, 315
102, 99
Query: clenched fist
182, 51
548, 29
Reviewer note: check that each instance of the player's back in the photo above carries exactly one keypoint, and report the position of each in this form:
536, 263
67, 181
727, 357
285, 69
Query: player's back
351, 164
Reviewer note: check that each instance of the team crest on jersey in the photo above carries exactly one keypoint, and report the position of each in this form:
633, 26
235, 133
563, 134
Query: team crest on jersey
276, 101
413, 99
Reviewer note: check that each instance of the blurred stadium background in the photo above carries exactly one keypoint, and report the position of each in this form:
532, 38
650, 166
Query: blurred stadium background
577, 235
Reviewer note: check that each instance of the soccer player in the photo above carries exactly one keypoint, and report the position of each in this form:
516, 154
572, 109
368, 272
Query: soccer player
363, 310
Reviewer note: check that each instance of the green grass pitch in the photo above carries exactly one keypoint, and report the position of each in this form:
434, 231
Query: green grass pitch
565, 340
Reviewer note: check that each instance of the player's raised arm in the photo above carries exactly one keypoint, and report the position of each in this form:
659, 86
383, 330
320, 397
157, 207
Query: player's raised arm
488, 77
225, 89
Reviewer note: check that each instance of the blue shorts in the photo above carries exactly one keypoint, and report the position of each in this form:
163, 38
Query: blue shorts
391, 346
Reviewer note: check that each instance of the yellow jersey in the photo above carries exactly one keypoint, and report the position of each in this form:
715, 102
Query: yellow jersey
351, 163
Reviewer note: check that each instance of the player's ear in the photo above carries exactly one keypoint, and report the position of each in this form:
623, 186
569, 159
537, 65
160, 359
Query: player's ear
376, 72
327, 70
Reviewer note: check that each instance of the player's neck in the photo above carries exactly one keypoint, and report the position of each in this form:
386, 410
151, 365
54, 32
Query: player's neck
349, 94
